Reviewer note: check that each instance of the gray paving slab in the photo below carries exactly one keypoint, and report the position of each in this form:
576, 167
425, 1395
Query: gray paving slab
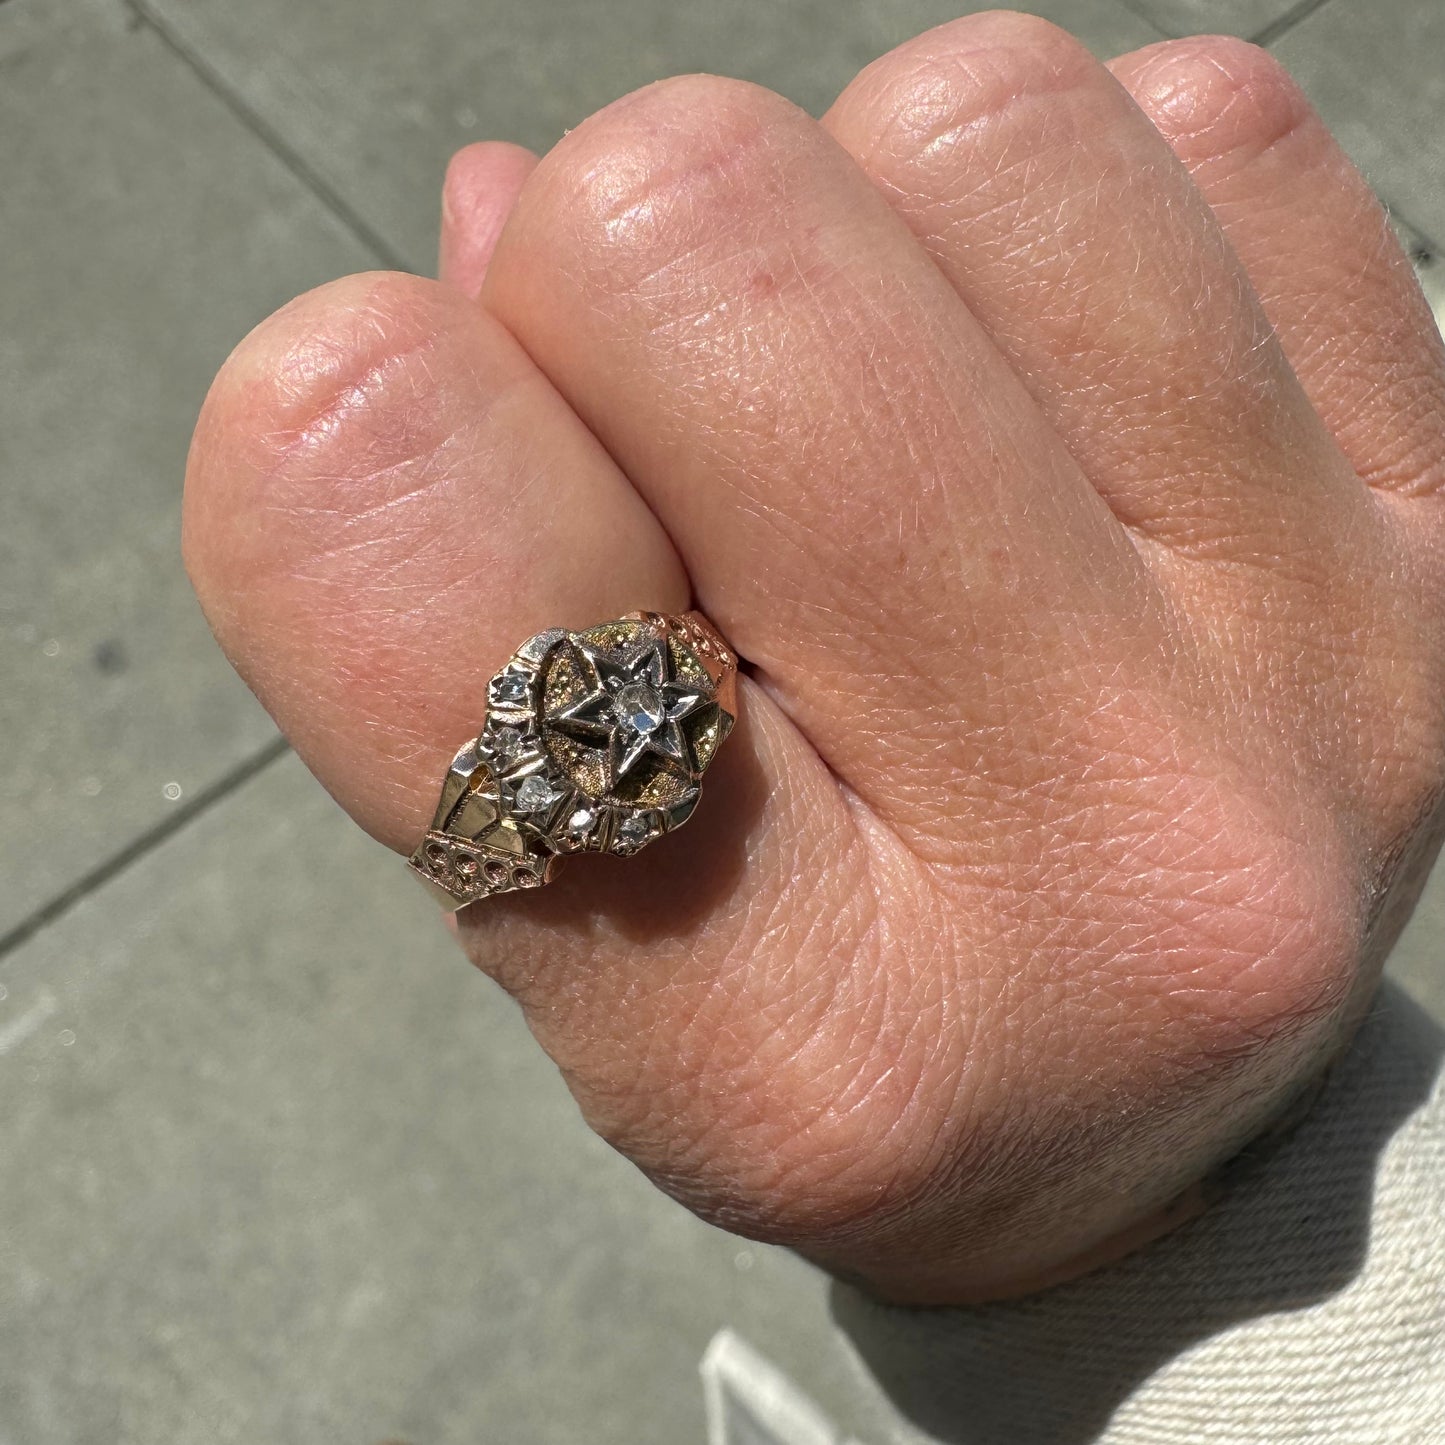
375, 104
1418, 959
1373, 71
144, 229
1251, 19
280, 1166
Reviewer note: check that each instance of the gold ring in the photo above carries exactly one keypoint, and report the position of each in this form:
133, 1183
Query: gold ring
593, 742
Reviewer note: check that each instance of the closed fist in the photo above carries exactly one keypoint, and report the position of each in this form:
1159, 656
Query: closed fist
1060, 447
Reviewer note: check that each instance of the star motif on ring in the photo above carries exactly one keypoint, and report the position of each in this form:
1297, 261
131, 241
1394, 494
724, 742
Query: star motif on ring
634, 709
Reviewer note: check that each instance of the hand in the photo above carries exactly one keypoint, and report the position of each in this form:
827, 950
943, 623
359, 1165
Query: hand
1066, 467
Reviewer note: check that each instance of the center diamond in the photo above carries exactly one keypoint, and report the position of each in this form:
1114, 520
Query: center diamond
631, 709
641, 707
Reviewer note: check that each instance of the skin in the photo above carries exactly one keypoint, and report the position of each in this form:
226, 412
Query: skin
1060, 446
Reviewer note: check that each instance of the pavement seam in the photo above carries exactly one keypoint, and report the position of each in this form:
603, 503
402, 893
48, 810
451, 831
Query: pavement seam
1266, 35
1426, 243
143, 845
148, 841
361, 231
1292, 17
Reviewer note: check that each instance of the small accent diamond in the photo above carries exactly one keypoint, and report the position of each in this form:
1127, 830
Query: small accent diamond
581, 821
536, 794
510, 687
505, 744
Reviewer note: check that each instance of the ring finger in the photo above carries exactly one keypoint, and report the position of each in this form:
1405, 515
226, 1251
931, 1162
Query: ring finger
1070, 229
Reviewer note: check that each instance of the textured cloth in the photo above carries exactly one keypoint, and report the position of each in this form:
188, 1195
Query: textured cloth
1308, 1305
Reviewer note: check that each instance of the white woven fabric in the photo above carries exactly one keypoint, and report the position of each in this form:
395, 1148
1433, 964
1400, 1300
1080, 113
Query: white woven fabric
1307, 1308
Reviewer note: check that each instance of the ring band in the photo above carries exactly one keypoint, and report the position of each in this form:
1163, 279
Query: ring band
593, 742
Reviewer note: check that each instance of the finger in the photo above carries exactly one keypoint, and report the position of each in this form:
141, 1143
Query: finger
482, 184
1069, 228
863, 493
384, 498
1333, 280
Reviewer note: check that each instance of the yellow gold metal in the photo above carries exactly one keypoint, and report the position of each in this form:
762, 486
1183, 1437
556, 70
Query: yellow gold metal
593, 741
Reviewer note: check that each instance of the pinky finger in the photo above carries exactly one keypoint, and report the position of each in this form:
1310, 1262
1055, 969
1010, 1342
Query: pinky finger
482, 182
1334, 283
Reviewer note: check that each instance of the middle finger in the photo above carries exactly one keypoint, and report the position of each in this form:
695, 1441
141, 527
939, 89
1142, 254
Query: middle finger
866, 497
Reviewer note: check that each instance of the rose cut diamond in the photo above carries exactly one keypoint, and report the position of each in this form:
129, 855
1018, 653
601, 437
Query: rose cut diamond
536, 794
640, 707
506, 743
510, 687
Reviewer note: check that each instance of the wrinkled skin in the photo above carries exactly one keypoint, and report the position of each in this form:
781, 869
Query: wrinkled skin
1060, 446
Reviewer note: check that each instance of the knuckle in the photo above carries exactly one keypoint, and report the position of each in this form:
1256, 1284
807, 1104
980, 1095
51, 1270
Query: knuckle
663, 170
284, 384
961, 75
337, 401
1027, 42
1216, 95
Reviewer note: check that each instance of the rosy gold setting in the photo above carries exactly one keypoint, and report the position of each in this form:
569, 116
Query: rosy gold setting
594, 742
